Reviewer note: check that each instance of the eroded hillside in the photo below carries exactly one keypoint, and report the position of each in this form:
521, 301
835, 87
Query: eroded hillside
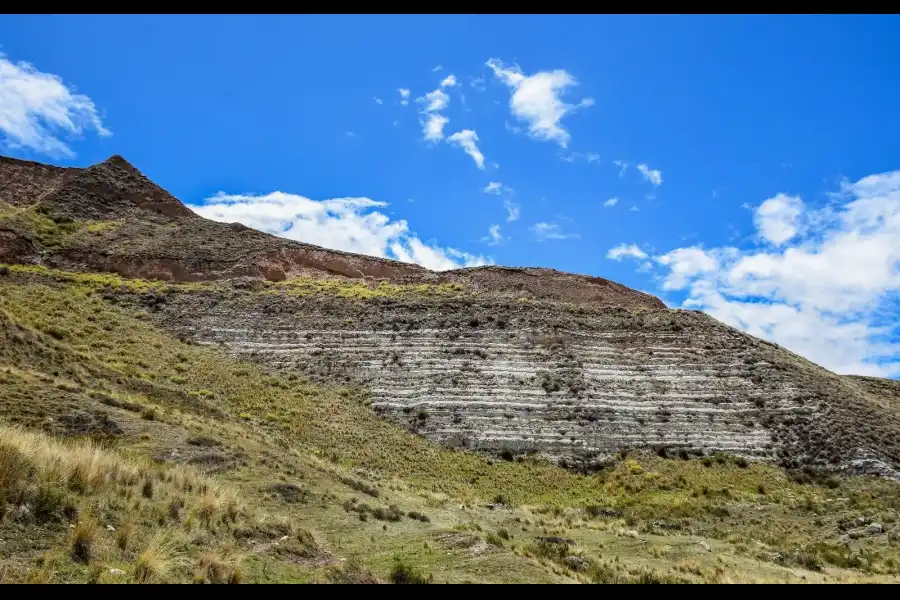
308, 483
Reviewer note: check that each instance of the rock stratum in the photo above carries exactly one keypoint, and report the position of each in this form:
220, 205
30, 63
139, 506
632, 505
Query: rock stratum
507, 361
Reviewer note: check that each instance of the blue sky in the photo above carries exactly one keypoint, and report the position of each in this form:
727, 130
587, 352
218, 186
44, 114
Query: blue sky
752, 159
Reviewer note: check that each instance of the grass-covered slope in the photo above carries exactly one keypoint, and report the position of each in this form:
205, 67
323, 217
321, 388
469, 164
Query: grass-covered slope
259, 476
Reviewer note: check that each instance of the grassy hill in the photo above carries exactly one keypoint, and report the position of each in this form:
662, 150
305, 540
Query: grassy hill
211, 469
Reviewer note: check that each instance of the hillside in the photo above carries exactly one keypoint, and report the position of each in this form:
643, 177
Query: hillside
309, 415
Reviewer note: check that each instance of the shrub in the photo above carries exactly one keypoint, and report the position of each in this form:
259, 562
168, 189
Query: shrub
123, 534
14, 472
402, 573
217, 569
4, 270
154, 562
350, 572
418, 516
47, 502
83, 536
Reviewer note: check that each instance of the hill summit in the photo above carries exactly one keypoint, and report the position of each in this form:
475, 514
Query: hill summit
54, 215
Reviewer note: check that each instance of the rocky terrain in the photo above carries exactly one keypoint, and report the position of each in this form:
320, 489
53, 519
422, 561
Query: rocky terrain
514, 406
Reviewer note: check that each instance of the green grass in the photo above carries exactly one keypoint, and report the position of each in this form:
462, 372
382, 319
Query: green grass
68, 341
49, 232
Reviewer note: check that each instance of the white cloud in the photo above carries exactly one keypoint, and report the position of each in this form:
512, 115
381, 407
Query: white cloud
497, 188
824, 283
623, 166
777, 218
37, 109
434, 122
404, 96
589, 157
436, 69
448, 81
611, 202
551, 231
434, 101
349, 224
377, 100
512, 211
651, 175
626, 251
494, 237
433, 127
466, 139
478, 83
537, 99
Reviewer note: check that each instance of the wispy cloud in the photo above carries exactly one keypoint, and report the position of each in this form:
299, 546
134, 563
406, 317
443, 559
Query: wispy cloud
377, 100
477, 83
349, 224
626, 250
652, 175
611, 202
436, 69
588, 157
623, 166
37, 109
821, 281
467, 140
551, 231
497, 188
512, 211
494, 237
448, 81
537, 99
404, 96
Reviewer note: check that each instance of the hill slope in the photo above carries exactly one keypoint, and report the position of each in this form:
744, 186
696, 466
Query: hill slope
316, 394
109, 217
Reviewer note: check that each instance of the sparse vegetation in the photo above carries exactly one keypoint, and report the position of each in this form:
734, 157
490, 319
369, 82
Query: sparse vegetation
113, 363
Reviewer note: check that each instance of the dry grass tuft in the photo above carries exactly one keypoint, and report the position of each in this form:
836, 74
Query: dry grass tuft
156, 561
83, 536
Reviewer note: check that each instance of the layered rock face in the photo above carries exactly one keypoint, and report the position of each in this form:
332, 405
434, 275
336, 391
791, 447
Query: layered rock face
571, 385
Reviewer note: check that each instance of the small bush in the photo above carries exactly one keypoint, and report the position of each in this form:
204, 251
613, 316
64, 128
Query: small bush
83, 536
217, 569
418, 516
154, 563
4, 270
350, 572
360, 486
402, 573
147, 488
149, 414
123, 534
48, 502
